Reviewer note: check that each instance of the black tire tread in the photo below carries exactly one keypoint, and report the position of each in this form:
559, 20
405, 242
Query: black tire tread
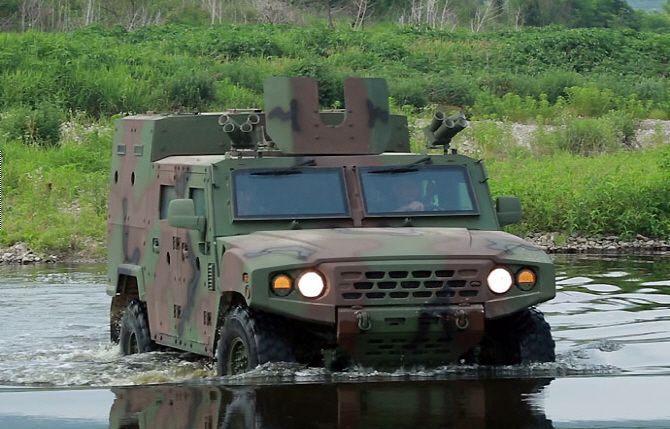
536, 343
521, 338
135, 319
268, 333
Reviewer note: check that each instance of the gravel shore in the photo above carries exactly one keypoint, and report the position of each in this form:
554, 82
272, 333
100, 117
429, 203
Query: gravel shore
20, 254
558, 243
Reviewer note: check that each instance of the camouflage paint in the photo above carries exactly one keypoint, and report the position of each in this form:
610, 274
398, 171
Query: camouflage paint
399, 270
296, 127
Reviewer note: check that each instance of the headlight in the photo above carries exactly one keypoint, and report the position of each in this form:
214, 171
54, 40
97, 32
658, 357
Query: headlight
500, 280
311, 284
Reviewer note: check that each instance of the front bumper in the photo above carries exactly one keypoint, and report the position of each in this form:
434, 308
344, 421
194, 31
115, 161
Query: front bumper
393, 336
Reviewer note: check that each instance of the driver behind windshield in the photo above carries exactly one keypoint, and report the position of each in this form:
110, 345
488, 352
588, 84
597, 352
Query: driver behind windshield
408, 194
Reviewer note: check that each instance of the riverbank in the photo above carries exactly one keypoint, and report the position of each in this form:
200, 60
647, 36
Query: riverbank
560, 243
21, 254
554, 243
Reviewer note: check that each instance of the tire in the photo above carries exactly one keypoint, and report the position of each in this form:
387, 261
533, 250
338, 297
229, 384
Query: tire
521, 338
249, 338
135, 336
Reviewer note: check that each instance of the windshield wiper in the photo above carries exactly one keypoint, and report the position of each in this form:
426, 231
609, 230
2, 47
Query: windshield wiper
277, 172
285, 171
402, 168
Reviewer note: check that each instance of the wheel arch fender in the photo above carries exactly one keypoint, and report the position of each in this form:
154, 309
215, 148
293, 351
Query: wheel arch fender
228, 301
135, 271
126, 289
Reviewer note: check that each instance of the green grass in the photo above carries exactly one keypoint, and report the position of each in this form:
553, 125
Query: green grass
622, 193
55, 198
586, 89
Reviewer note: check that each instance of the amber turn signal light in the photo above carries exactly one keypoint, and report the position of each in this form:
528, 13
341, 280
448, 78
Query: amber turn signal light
525, 279
282, 285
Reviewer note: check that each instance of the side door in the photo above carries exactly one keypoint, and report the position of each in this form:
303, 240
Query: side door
194, 289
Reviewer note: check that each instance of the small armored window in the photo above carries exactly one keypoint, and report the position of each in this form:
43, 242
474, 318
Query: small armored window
167, 194
198, 197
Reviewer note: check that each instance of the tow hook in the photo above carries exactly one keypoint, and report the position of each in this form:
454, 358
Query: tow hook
462, 321
364, 320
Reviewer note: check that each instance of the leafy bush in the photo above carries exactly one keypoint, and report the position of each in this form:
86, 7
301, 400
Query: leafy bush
191, 90
506, 83
452, 91
515, 108
555, 84
624, 125
411, 92
35, 126
590, 101
587, 136
489, 139
653, 89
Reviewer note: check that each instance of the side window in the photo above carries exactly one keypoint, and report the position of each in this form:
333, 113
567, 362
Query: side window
167, 194
198, 197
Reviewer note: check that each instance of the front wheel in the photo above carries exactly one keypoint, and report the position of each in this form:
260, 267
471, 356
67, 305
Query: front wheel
134, 336
250, 338
521, 338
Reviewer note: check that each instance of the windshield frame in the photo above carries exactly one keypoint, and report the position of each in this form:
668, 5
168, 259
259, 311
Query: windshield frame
402, 169
268, 172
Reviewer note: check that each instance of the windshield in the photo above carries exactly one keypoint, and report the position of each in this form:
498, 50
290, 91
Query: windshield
289, 193
417, 190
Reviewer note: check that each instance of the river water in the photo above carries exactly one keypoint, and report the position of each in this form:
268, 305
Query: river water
610, 320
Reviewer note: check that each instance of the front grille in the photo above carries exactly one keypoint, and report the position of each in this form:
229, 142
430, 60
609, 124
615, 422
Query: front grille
410, 286
388, 348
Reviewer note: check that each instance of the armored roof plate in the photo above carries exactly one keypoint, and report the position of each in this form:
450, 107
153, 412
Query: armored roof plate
294, 123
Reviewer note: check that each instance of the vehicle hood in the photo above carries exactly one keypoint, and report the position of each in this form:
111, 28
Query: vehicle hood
299, 247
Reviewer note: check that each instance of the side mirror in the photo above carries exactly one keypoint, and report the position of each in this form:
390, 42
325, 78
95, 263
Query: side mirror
508, 210
181, 214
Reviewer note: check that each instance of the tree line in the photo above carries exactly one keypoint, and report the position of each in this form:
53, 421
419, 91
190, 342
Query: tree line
476, 15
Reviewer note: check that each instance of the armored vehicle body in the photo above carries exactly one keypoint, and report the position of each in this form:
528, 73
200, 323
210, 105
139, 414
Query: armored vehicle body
293, 234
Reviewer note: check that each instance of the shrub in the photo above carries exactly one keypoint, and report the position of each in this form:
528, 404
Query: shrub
653, 89
502, 84
554, 85
452, 91
516, 108
590, 101
489, 139
191, 90
624, 124
38, 126
588, 136
412, 92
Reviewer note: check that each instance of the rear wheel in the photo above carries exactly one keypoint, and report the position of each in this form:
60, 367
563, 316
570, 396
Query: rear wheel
521, 338
134, 336
250, 338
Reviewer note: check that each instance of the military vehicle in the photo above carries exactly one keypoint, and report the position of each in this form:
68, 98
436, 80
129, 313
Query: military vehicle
294, 234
